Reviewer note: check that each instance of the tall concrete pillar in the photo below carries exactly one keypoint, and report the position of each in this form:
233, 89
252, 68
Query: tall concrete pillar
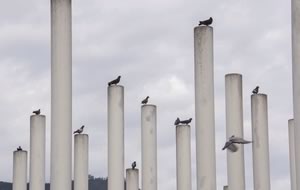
81, 162
149, 148
234, 126
20, 170
292, 154
260, 145
204, 103
61, 95
37, 152
183, 157
132, 179
115, 137
296, 79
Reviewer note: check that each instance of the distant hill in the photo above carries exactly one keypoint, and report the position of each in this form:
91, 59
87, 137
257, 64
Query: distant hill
94, 184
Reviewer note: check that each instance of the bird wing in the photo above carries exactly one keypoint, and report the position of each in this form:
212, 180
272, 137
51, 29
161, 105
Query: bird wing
239, 140
227, 144
232, 148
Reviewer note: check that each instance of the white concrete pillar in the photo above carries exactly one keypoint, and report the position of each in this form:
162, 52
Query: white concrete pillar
81, 162
132, 179
296, 79
61, 95
149, 148
292, 154
234, 126
204, 103
20, 170
260, 145
115, 137
183, 157
37, 152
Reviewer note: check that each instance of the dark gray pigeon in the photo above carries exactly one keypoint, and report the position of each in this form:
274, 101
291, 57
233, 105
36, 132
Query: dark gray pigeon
37, 112
255, 90
230, 144
206, 22
79, 131
145, 101
186, 122
133, 165
19, 148
115, 81
177, 121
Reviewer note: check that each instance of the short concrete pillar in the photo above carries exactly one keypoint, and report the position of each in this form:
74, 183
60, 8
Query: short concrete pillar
149, 148
37, 152
234, 126
183, 157
132, 179
20, 170
205, 111
81, 162
116, 137
295, 5
260, 145
225, 187
292, 153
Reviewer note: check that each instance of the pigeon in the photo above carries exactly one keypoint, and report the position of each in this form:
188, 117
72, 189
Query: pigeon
145, 101
79, 131
133, 165
19, 148
255, 90
37, 112
206, 22
186, 122
177, 121
230, 144
115, 81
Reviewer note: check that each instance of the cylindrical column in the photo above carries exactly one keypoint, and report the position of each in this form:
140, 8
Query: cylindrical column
296, 81
37, 152
204, 104
81, 162
115, 137
183, 157
260, 145
292, 153
61, 95
20, 170
149, 148
234, 126
132, 179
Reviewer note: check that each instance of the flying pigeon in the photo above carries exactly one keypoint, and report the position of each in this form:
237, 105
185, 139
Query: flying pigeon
37, 112
230, 144
255, 90
133, 165
145, 101
206, 22
19, 148
79, 131
186, 122
177, 121
115, 81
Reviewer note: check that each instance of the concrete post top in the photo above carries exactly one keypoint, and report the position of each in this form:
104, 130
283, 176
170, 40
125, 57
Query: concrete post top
202, 28
290, 120
233, 75
37, 116
20, 151
115, 86
132, 170
81, 135
149, 105
182, 125
259, 95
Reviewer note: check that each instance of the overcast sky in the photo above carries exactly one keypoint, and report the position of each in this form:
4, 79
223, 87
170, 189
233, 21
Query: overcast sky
149, 43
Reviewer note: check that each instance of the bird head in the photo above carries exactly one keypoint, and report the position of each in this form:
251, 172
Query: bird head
147, 97
82, 127
119, 77
190, 119
257, 87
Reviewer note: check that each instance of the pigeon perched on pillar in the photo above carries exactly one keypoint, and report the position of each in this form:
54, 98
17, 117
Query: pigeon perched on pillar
255, 90
133, 165
79, 131
37, 112
115, 81
206, 22
145, 101
185, 122
19, 148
